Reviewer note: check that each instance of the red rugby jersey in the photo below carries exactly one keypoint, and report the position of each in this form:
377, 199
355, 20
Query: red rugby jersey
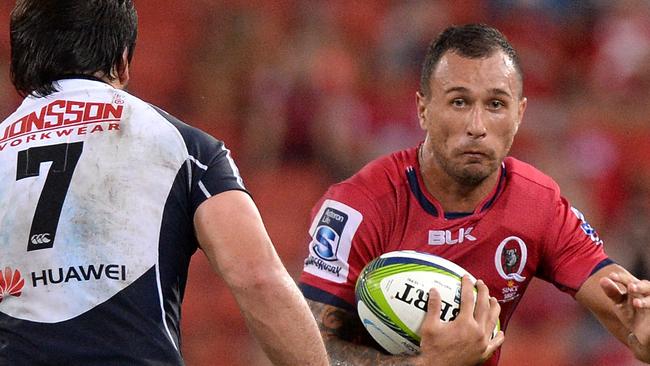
523, 229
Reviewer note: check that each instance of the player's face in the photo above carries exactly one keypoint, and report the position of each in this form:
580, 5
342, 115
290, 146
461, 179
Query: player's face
472, 115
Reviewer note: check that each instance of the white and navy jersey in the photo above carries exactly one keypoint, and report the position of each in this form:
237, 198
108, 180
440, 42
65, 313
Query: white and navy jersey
98, 195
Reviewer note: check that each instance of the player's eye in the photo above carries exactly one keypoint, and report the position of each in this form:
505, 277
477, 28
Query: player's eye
458, 102
496, 104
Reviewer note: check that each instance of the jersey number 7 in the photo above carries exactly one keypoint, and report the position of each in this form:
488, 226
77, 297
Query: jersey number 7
64, 158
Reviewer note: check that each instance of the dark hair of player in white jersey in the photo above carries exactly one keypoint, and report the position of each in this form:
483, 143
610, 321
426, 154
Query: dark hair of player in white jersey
471, 41
52, 39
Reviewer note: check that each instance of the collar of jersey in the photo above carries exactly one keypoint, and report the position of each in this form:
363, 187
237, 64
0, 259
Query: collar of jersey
431, 205
73, 82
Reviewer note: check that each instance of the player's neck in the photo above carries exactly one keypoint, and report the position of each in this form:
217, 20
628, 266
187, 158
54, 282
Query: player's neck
452, 195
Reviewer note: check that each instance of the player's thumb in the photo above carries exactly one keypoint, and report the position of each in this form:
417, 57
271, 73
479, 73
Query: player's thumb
612, 290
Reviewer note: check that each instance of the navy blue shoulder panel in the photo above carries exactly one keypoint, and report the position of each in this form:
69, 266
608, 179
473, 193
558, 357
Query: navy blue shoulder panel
211, 169
316, 294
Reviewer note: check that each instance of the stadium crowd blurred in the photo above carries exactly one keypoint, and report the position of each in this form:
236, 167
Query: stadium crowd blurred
305, 92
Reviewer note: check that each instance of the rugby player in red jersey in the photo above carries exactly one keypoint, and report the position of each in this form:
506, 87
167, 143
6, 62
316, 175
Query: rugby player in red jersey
458, 195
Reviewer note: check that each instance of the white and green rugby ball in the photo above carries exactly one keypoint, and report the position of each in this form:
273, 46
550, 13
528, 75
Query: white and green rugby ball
392, 293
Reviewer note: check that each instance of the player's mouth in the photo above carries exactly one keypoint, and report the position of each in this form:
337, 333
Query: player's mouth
475, 155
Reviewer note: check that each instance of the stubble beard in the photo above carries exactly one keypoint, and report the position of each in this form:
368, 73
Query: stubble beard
466, 175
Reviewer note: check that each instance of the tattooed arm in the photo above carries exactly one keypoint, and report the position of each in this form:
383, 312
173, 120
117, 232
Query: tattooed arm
464, 342
347, 341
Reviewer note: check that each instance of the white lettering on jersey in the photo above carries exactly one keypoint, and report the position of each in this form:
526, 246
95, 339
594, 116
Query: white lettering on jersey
109, 220
442, 237
332, 232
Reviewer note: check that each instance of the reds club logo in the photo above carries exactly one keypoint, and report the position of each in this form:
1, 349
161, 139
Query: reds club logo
510, 259
11, 283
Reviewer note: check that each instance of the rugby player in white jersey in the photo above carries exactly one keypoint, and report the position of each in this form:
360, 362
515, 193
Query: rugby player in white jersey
105, 198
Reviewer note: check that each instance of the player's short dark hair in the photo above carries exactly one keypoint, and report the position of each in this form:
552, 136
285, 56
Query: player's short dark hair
471, 41
51, 39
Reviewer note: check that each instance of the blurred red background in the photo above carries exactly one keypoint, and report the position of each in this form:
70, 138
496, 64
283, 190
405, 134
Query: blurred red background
306, 92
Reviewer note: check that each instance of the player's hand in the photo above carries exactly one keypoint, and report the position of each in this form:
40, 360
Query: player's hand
631, 299
467, 340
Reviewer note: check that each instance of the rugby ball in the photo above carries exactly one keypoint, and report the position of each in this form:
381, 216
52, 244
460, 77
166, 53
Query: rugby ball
392, 292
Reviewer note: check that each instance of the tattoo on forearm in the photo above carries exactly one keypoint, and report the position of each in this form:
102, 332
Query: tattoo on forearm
347, 341
342, 324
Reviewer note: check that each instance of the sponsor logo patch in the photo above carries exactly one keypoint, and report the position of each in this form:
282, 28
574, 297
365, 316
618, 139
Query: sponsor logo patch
326, 240
332, 231
11, 283
52, 276
586, 227
62, 118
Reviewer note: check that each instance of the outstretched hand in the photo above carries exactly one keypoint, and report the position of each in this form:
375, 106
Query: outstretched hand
467, 340
631, 298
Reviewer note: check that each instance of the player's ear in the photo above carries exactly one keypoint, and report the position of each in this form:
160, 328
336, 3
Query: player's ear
123, 68
521, 109
421, 103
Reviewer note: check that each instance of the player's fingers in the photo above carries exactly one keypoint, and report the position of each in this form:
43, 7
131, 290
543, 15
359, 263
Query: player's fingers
482, 307
623, 277
497, 341
495, 310
466, 298
434, 306
641, 303
612, 290
640, 293
639, 288
493, 345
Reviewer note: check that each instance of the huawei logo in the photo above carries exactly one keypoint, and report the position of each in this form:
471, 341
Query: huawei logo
11, 283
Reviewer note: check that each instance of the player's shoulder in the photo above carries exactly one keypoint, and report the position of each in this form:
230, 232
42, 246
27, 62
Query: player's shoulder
196, 141
529, 179
192, 136
385, 174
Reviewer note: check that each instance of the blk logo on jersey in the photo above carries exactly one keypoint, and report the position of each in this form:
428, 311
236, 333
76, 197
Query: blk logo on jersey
328, 234
448, 237
11, 283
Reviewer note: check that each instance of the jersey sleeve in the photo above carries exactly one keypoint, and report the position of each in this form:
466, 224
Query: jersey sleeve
574, 250
211, 171
209, 167
345, 234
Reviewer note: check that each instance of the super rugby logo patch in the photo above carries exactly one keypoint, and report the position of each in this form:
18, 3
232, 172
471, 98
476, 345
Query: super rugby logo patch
326, 240
331, 238
586, 227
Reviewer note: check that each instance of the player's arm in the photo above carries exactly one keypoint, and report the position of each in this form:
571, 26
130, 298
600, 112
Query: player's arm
464, 342
617, 299
232, 235
347, 341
